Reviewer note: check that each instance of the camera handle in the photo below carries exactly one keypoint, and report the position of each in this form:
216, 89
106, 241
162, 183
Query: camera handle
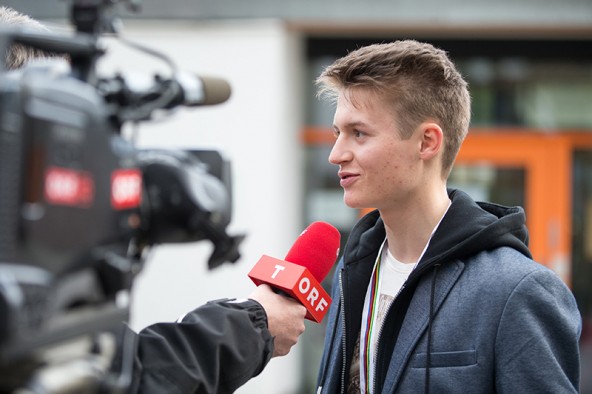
96, 16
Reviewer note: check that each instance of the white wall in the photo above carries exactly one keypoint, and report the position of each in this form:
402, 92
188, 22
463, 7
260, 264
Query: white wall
257, 130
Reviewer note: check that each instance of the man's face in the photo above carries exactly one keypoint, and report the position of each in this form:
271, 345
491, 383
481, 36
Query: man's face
377, 168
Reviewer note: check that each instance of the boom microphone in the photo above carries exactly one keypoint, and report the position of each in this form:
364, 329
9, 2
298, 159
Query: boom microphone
201, 90
307, 263
145, 95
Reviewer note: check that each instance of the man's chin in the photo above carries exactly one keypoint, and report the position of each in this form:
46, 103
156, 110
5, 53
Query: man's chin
353, 203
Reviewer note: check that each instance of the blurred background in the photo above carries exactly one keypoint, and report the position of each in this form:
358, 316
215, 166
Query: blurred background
529, 66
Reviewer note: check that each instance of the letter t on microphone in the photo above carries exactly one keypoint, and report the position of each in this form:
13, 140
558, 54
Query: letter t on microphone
294, 280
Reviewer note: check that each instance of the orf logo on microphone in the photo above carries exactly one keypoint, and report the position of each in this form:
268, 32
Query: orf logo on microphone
296, 281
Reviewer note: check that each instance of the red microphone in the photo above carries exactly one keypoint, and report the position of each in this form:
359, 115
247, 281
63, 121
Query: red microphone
307, 263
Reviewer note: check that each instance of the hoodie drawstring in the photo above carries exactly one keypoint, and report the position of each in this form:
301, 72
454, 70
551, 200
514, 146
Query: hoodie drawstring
429, 345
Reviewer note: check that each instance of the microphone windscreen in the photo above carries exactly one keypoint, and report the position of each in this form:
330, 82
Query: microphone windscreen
316, 249
216, 90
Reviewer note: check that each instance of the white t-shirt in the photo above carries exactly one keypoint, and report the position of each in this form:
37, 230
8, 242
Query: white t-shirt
392, 276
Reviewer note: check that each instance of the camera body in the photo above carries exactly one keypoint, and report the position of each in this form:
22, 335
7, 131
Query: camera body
80, 206
60, 167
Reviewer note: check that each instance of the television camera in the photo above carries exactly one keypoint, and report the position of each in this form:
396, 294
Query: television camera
81, 206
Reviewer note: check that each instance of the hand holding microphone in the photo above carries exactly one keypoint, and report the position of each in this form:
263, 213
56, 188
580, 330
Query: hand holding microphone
298, 277
304, 268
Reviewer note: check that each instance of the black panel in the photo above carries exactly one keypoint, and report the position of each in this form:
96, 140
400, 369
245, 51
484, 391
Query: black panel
574, 50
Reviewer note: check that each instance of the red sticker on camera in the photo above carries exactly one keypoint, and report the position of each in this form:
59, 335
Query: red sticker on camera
126, 188
64, 186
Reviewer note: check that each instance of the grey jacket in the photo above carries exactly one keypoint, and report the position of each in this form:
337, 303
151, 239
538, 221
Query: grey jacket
478, 315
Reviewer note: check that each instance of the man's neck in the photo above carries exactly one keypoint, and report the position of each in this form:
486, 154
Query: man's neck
409, 227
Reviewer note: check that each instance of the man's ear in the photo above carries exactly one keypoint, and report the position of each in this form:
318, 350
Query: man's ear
432, 140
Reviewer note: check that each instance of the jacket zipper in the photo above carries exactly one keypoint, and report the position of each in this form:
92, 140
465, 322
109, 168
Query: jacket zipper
380, 335
343, 342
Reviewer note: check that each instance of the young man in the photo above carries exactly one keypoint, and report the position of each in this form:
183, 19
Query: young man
434, 292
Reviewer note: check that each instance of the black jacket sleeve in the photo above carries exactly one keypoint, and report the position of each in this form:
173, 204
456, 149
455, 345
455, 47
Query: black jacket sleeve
214, 349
